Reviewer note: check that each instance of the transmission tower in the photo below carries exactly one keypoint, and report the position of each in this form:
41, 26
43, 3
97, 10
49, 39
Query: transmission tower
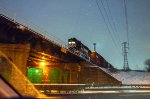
125, 53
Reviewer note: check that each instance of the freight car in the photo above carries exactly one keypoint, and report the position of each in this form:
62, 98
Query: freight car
78, 48
99, 60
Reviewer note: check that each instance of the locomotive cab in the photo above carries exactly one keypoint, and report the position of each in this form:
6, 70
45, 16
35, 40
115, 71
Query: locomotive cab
78, 48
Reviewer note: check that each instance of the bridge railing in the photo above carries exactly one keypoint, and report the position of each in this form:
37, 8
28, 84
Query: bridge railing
12, 16
130, 86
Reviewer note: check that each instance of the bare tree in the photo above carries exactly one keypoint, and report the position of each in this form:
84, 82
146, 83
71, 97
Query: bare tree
147, 63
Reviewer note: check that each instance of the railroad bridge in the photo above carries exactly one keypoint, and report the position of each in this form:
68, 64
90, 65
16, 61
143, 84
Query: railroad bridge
29, 50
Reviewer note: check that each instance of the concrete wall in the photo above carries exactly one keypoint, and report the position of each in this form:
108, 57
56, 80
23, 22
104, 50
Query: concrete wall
73, 73
92, 75
88, 75
13, 66
17, 53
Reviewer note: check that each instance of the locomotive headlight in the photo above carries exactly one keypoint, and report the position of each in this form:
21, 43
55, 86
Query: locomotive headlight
69, 42
73, 43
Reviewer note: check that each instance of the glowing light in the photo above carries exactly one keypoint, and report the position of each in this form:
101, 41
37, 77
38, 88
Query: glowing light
73, 42
69, 42
36, 71
21, 27
42, 63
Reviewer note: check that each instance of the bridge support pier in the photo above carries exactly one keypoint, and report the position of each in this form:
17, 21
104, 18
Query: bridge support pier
13, 64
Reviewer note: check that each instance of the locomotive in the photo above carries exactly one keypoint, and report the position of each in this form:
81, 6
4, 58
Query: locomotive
78, 48
83, 51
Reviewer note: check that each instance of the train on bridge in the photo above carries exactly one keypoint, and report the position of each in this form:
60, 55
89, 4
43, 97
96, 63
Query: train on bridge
76, 46
43, 61
56, 75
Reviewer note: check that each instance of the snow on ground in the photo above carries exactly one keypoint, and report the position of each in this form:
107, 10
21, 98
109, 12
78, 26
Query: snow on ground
130, 77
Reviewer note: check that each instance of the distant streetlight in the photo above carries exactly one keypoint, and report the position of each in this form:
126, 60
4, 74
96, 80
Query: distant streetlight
42, 64
21, 27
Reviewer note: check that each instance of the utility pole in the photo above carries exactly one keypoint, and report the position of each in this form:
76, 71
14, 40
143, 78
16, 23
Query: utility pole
125, 53
94, 46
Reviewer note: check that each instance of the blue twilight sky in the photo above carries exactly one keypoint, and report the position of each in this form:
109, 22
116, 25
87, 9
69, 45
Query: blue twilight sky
82, 19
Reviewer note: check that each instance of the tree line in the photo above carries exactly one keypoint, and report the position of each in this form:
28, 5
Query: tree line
147, 64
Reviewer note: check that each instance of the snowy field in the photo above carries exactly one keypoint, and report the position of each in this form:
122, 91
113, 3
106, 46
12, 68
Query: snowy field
130, 77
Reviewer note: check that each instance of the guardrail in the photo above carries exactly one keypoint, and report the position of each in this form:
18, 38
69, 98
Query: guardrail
59, 87
11, 16
38, 31
122, 87
20, 21
85, 88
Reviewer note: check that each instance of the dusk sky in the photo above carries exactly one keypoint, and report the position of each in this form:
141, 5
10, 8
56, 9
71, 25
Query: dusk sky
83, 20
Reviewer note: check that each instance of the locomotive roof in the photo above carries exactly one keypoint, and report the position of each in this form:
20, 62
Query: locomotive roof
76, 40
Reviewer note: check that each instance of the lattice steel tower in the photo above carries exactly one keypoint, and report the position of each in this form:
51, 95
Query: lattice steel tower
125, 53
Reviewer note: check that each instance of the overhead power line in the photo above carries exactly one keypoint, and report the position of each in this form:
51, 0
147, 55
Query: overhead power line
109, 22
113, 22
106, 24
